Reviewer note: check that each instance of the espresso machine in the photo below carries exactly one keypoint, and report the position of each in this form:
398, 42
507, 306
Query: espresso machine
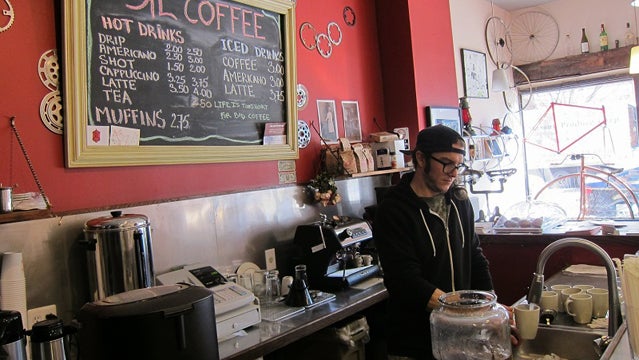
332, 251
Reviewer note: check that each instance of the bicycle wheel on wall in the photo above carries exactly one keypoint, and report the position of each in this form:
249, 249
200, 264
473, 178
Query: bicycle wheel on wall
534, 37
498, 42
512, 100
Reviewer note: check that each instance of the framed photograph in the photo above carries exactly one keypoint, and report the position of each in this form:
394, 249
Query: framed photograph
327, 120
352, 125
449, 116
475, 73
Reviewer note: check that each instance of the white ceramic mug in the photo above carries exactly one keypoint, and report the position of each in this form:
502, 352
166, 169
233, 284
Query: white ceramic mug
579, 306
549, 300
286, 284
527, 320
558, 288
599, 302
565, 293
584, 287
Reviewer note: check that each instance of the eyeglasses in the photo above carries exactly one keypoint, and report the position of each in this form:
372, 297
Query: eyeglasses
449, 167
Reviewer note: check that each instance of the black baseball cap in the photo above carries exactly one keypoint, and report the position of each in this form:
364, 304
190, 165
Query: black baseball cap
438, 138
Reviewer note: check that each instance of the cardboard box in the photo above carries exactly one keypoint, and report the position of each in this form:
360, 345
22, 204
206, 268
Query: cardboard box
383, 136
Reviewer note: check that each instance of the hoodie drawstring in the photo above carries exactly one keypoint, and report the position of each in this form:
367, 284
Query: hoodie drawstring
461, 228
432, 242
450, 251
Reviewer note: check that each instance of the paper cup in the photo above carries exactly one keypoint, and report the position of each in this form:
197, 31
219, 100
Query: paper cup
12, 267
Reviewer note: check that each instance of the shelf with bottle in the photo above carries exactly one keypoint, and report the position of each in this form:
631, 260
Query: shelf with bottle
574, 65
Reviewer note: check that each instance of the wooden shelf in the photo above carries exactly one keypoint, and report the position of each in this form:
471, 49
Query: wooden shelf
24, 215
575, 65
380, 172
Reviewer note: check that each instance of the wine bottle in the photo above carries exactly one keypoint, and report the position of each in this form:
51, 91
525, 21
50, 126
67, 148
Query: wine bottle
629, 36
585, 47
603, 39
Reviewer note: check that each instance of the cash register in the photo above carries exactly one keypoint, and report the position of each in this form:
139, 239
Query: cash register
330, 249
236, 308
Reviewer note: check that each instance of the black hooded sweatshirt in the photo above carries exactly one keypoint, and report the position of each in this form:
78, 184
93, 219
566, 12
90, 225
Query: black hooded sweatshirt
415, 254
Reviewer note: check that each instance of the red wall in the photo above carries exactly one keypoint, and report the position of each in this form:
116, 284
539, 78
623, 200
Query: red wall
418, 62
353, 72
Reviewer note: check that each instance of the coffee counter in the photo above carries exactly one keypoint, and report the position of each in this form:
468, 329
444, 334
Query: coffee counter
513, 257
619, 347
268, 336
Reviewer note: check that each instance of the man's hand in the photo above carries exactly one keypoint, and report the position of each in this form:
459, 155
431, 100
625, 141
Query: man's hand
514, 333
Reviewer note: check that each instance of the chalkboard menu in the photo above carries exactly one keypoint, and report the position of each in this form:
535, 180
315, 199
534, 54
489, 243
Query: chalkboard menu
180, 81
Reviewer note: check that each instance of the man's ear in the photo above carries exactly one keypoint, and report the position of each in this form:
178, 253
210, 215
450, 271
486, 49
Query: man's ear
420, 157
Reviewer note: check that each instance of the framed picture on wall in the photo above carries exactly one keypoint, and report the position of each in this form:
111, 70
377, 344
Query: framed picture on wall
475, 73
444, 115
352, 124
327, 120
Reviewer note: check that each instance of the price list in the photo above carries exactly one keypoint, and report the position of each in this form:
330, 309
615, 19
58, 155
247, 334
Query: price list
210, 81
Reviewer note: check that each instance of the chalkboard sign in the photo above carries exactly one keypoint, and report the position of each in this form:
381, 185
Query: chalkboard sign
180, 81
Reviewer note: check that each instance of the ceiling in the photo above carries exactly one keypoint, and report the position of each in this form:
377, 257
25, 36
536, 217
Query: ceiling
512, 5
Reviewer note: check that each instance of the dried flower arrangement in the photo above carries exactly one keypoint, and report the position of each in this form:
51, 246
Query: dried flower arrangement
322, 189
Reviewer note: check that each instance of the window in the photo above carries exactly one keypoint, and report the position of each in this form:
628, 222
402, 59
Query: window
595, 121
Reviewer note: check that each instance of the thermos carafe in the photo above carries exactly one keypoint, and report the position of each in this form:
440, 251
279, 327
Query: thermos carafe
12, 337
48, 340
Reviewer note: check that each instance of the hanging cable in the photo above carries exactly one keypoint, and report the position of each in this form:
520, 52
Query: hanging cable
26, 157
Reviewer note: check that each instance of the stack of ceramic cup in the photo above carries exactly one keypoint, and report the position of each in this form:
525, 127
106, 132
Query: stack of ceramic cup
13, 290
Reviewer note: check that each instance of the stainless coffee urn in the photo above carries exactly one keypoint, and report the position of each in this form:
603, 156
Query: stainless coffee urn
119, 254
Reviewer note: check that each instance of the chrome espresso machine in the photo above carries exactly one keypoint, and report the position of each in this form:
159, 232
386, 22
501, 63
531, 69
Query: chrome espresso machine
335, 252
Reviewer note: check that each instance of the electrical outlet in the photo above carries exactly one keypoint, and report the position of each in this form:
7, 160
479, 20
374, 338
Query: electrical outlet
269, 255
39, 314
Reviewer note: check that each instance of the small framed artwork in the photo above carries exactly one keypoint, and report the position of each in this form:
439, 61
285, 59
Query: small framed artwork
475, 73
352, 124
327, 120
448, 116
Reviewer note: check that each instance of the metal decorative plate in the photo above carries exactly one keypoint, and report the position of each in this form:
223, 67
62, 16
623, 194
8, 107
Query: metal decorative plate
49, 68
51, 112
302, 96
303, 134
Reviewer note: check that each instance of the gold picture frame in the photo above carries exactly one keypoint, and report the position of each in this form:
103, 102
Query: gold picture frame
77, 76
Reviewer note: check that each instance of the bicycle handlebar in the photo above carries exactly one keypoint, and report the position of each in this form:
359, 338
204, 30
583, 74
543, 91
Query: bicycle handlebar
579, 156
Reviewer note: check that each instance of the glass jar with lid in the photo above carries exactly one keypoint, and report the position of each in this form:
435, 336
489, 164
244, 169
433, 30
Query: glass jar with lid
470, 324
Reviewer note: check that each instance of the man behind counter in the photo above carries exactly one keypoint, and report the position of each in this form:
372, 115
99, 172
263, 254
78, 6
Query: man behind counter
424, 233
